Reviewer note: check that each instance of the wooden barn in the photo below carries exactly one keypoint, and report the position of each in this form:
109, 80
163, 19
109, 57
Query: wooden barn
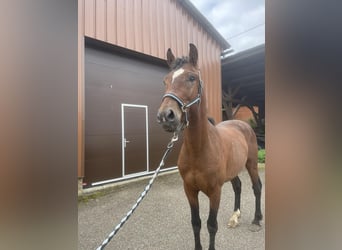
122, 51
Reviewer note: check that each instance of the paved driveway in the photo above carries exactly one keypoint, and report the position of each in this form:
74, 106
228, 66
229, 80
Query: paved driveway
162, 221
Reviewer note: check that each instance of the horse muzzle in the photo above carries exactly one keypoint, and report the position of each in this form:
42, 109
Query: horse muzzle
169, 120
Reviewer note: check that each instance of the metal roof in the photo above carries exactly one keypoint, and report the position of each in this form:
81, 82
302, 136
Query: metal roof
247, 70
205, 23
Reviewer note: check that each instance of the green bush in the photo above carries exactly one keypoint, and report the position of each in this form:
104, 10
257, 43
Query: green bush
261, 155
252, 123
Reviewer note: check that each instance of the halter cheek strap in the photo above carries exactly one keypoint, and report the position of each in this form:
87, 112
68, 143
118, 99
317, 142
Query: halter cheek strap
185, 106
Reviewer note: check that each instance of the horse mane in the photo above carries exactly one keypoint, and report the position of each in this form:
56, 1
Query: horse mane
179, 62
211, 120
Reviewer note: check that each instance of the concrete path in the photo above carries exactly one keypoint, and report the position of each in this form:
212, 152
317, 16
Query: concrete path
162, 221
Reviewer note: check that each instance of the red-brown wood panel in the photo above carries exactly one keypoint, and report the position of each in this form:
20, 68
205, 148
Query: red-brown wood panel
80, 91
89, 17
178, 34
121, 23
100, 20
189, 29
219, 90
199, 45
185, 38
160, 29
153, 27
204, 56
167, 27
111, 21
194, 32
130, 27
213, 82
206, 73
138, 25
213, 79
149, 26
146, 27
173, 30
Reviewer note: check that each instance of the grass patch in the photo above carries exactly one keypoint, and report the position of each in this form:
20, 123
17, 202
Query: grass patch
261, 155
85, 197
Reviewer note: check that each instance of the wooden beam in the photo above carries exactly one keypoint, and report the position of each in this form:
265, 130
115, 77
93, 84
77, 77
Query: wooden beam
243, 67
248, 77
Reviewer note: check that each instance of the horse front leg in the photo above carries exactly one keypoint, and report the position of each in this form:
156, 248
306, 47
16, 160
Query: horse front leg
192, 196
196, 226
212, 219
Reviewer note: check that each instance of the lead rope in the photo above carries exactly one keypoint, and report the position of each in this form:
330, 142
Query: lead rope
143, 194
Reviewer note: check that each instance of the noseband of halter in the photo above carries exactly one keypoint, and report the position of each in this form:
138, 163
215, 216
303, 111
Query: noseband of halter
185, 106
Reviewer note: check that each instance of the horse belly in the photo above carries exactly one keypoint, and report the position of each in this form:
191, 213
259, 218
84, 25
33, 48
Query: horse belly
236, 156
237, 162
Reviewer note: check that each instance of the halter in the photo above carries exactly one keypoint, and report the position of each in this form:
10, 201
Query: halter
185, 106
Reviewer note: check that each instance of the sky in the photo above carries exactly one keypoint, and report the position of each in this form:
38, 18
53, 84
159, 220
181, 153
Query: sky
240, 22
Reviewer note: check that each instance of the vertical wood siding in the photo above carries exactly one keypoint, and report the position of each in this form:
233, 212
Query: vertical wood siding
153, 26
80, 91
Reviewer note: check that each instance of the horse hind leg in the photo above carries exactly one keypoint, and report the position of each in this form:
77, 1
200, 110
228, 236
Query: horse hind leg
257, 192
233, 221
252, 167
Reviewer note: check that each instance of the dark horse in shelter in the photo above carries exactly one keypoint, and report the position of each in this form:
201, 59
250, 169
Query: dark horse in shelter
210, 155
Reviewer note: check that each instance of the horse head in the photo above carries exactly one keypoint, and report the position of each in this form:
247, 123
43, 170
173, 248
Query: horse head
183, 88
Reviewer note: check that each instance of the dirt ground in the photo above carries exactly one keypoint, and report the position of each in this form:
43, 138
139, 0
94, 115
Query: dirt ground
162, 221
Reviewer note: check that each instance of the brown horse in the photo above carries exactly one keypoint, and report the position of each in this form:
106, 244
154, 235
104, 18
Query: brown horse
210, 155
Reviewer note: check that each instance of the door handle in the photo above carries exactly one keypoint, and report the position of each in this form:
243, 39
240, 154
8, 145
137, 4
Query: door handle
125, 142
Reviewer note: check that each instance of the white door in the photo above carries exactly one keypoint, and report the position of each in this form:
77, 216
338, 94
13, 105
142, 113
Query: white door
135, 157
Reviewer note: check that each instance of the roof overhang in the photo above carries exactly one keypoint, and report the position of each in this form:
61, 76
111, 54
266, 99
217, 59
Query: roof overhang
246, 71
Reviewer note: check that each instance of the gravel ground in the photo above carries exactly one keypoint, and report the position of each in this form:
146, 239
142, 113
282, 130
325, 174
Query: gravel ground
162, 221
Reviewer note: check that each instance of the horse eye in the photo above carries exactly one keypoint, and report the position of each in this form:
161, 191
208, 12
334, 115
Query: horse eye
192, 78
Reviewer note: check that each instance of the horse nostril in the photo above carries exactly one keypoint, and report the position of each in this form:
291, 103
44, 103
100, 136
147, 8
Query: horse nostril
166, 116
170, 116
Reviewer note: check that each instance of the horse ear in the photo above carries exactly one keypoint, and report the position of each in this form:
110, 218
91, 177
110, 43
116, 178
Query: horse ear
193, 54
170, 57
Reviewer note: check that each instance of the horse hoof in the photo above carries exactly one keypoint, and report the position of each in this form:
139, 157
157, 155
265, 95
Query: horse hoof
233, 221
255, 227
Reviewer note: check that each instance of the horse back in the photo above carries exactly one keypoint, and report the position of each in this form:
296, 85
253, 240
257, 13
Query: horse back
243, 127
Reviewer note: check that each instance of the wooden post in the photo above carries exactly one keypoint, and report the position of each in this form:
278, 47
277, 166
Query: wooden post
80, 104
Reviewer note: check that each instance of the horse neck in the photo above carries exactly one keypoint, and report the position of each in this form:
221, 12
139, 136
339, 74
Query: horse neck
196, 134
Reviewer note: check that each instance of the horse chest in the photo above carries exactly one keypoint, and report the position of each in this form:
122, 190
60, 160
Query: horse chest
198, 180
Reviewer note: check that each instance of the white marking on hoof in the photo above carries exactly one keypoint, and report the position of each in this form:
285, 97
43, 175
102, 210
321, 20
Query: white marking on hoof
177, 73
233, 221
